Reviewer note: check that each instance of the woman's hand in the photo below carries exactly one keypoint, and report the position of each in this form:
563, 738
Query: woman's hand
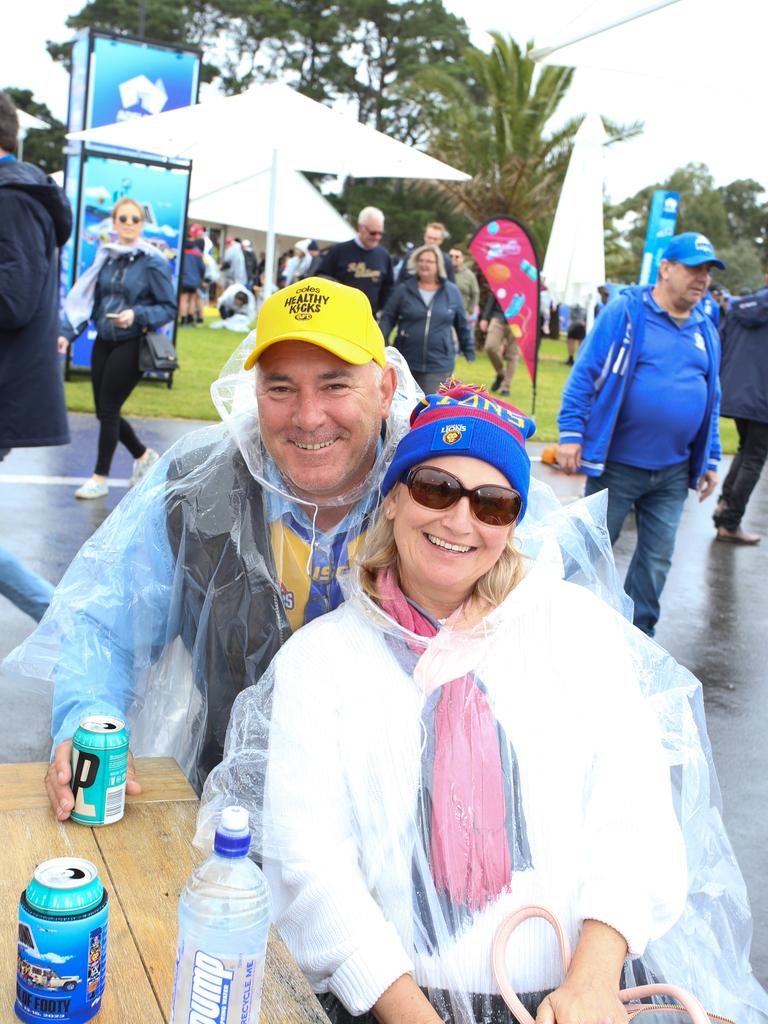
587, 1001
589, 994
124, 319
63, 345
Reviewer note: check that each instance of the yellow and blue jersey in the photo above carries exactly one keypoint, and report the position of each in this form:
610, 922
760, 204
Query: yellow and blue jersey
308, 561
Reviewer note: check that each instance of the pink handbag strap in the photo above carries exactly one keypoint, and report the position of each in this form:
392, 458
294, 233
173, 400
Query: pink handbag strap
690, 1003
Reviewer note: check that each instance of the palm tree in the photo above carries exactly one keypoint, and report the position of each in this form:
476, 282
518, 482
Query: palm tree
494, 125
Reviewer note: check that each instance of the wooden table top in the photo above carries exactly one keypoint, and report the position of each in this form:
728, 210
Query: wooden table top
143, 861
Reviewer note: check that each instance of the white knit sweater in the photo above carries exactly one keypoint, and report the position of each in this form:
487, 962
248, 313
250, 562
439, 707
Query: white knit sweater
345, 757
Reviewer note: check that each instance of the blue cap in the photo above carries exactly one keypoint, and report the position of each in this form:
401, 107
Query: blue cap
692, 249
233, 838
464, 420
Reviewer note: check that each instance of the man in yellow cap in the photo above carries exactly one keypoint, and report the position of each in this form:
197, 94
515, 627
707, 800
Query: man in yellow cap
186, 592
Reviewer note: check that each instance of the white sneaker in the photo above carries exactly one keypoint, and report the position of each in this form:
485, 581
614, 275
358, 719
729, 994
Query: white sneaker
142, 466
92, 489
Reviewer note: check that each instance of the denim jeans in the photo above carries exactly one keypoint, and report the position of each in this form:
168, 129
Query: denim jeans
28, 591
744, 473
24, 588
658, 496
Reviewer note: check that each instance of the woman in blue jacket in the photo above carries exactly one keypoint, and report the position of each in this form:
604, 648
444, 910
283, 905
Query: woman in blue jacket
426, 309
128, 290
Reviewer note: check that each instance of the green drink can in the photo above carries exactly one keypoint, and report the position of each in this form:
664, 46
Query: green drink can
99, 770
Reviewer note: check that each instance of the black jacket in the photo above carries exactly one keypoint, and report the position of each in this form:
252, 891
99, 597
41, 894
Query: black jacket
225, 553
744, 366
35, 219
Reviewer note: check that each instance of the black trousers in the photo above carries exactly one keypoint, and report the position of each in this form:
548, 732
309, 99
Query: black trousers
744, 472
487, 1009
114, 375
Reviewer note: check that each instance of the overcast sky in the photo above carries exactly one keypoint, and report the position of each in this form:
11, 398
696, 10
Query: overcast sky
697, 115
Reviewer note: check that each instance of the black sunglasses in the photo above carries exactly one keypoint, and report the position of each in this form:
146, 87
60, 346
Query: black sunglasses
124, 218
436, 489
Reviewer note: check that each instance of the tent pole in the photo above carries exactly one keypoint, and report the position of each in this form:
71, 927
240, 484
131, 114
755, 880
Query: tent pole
542, 52
269, 263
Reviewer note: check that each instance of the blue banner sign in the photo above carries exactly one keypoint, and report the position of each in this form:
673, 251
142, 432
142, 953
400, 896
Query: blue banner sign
661, 227
128, 79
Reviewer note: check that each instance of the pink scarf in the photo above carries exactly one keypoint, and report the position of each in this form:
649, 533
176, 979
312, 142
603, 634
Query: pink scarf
469, 849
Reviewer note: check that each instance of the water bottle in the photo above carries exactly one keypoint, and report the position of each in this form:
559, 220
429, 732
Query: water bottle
224, 913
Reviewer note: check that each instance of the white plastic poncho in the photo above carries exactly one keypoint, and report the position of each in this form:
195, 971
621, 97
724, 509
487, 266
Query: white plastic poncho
233, 317
189, 588
606, 765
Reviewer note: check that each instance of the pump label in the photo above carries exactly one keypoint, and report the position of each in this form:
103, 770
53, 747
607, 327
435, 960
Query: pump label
211, 982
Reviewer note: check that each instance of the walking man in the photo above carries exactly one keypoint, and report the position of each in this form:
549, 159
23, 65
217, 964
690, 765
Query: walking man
362, 262
467, 284
639, 412
500, 345
744, 380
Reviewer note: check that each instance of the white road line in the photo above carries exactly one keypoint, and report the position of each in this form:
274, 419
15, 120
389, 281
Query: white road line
65, 481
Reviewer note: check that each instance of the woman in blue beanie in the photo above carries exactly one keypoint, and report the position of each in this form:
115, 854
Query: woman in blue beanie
470, 734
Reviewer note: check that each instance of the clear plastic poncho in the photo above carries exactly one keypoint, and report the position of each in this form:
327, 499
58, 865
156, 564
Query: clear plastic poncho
186, 592
611, 801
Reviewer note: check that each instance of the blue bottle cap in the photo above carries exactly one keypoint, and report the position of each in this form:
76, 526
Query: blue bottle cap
233, 838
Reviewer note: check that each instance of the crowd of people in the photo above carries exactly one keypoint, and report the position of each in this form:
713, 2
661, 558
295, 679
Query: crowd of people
349, 608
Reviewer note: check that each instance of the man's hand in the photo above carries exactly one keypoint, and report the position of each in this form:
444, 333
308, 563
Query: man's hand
569, 457
484, 326
582, 1002
125, 318
707, 484
63, 345
59, 776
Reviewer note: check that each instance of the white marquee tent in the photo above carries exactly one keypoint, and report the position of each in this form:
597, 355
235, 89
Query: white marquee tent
235, 139
301, 211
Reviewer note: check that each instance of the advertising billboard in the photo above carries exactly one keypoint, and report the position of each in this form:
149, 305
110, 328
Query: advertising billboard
78, 85
113, 79
161, 189
129, 78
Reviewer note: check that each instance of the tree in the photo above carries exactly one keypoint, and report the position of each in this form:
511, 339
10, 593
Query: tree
747, 215
390, 45
495, 127
41, 147
180, 24
732, 216
408, 207
365, 51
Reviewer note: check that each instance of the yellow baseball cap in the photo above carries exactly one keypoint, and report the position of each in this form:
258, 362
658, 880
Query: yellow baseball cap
324, 313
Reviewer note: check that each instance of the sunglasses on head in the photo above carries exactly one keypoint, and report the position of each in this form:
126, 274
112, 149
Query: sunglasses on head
438, 490
124, 218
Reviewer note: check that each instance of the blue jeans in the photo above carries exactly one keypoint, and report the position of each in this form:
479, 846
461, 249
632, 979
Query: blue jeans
28, 591
24, 588
658, 496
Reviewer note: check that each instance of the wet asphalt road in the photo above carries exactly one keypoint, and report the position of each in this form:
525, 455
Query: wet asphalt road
713, 621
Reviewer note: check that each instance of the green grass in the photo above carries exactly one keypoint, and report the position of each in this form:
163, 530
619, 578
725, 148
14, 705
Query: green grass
203, 352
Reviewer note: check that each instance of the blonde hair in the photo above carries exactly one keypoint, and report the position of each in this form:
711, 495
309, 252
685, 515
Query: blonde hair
380, 551
127, 201
413, 259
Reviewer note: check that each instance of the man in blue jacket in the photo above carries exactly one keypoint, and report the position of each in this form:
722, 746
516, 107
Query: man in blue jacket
744, 380
639, 412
